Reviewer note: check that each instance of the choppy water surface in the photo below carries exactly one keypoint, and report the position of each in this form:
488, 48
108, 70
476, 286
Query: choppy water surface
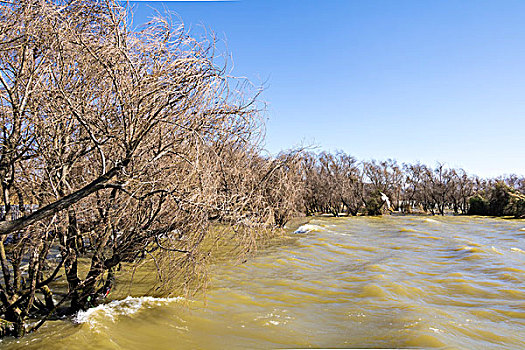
451, 282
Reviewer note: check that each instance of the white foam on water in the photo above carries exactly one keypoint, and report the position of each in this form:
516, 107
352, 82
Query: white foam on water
124, 307
495, 250
274, 318
435, 330
308, 228
468, 248
517, 250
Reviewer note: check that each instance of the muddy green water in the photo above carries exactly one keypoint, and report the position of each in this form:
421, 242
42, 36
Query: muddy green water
390, 282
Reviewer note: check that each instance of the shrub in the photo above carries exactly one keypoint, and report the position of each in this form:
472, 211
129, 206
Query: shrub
478, 206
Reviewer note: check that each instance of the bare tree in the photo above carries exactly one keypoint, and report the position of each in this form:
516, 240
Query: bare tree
109, 133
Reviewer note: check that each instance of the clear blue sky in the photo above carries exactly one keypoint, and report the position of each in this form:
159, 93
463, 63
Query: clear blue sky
412, 80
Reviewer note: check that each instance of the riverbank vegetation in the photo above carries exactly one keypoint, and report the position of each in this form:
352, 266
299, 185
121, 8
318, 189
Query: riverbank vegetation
121, 146
338, 184
116, 146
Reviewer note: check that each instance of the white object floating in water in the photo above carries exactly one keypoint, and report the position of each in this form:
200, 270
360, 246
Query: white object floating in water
308, 228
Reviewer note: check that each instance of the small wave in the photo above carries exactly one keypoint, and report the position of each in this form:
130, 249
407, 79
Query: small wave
373, 291
124, 307
427, 237
432, 221
517, 250
435, 330
404, 229
469, 249
495, 250
308, 228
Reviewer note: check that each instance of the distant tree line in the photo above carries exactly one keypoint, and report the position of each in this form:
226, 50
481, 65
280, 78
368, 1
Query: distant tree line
120, 146
338, 184
300, 183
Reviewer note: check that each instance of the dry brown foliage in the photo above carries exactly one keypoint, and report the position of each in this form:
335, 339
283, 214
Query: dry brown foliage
117, 139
